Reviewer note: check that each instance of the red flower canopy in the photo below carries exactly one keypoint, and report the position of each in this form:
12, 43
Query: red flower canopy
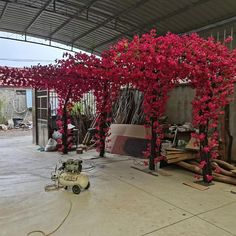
153, 65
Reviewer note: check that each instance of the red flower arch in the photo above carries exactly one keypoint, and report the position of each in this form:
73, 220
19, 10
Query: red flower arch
153, 65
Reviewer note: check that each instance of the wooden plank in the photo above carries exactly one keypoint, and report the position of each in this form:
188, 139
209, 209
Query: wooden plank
164, 172
175, 150
196, 186
225, 164
145, 170
191, 145
174, 156
180, 159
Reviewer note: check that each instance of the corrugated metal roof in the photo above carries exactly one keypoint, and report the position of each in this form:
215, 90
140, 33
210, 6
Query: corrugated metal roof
93, 25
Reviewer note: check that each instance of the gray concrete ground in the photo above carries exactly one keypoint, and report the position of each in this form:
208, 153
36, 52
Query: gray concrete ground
121, 201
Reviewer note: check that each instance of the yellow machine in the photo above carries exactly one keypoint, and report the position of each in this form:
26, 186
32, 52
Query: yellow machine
69, 176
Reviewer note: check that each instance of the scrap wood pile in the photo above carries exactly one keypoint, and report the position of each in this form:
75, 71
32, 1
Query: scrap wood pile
222, 171
174, 155
176, 148
187, 157
128, 107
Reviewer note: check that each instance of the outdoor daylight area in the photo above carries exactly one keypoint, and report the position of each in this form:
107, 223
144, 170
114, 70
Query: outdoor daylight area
117, 117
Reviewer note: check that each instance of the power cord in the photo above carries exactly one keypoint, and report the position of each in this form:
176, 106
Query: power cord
58, 227
90, 167
136, 162
53, 187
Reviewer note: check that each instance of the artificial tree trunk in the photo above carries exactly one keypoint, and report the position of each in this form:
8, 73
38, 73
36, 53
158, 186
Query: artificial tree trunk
229, 139
64, 120
102, 134
153, 152
64, 135
153, 119
102, 124
205, 156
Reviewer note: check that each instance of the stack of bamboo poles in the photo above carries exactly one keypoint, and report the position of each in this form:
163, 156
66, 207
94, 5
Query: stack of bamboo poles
174, 155
88, 135
189, 160
222, 171
128, 108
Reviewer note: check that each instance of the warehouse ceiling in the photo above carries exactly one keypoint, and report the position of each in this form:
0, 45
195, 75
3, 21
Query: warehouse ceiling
93, 25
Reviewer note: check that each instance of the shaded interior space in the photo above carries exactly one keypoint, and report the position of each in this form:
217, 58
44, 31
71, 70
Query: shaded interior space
120, 201
73, 102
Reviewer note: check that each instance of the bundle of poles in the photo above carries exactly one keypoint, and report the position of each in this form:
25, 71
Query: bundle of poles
222, 171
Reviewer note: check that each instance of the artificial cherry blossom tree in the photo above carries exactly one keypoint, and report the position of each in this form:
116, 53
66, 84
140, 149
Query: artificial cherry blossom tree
154, 65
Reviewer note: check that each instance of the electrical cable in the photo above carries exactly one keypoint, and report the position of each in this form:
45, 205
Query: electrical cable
25, 60
58, 227
90, 167
53, 187
136, 162
232, 191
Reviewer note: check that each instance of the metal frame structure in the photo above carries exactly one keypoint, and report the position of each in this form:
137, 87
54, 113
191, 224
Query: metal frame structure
93, 25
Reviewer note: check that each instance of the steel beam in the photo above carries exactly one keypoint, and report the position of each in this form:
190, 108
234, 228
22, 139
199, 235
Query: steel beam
38, 15
109, 19
3, 10
49, 44
86, 7
212, 25
71, 15
153, 21
174, 13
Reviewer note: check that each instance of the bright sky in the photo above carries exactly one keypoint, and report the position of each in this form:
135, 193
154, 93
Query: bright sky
11, 50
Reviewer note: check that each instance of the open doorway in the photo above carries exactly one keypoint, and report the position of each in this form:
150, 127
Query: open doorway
15, 54
16, 112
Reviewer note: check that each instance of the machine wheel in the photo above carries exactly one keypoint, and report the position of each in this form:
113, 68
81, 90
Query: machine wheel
88, 185
76, 189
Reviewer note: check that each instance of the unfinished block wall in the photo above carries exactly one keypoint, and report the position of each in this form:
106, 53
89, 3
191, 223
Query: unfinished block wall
179, 110
12, 104
179, 107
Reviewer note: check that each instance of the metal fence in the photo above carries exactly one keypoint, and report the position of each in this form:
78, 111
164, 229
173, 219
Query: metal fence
87, 104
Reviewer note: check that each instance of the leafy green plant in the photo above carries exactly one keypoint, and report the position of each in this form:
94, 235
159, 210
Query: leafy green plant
77, 109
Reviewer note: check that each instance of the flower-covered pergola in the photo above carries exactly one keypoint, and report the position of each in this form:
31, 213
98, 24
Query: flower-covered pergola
153, 65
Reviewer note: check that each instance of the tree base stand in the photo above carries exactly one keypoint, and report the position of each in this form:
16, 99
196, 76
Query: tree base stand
145, 170
196, 185
201, 182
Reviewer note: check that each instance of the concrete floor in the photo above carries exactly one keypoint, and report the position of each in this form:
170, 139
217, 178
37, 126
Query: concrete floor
121, 201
